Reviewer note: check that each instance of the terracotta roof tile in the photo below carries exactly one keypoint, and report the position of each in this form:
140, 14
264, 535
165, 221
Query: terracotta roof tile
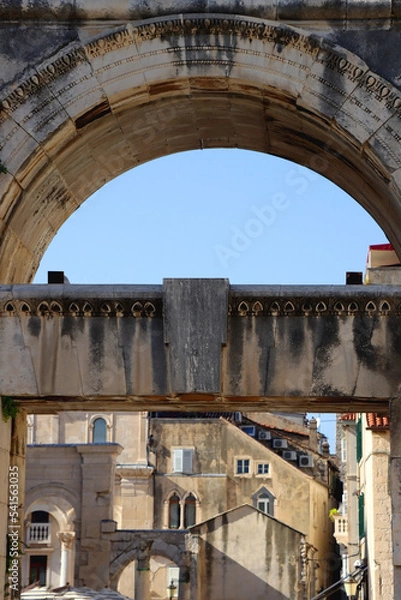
348, 417
375, 421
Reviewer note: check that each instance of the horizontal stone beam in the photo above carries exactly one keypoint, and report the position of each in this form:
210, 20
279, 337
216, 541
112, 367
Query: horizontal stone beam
84, 10
200, 345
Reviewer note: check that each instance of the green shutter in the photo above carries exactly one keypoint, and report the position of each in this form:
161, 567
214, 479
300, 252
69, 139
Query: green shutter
361, 515
359, 439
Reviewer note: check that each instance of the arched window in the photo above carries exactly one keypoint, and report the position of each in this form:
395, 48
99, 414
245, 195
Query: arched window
189, 511
174, 512
264, 501
99, 431
263, 504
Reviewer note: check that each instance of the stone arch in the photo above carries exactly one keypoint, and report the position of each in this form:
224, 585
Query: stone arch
169, 545
146, 89
56, 500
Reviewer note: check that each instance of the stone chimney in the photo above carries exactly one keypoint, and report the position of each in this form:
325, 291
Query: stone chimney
313, 434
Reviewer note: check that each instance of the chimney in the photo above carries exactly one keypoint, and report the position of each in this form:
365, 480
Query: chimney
313, 434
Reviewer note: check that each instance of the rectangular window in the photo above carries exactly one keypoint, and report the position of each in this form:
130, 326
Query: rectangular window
243, 466
182, 460
263, 468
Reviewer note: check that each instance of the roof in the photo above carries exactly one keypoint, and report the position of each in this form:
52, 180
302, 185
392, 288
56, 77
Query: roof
373, 420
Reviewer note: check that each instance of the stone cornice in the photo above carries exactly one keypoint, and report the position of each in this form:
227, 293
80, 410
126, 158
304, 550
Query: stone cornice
147, 301
104, 10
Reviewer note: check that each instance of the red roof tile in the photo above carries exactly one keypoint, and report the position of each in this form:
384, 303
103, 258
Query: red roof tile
348, 417
377, 421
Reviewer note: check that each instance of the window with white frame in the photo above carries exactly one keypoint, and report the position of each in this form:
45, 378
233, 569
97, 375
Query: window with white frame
263, 468
243, 466
183, 460
264, 500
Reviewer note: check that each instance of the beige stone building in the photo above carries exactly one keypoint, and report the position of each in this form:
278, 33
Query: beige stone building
363, 525
176, 473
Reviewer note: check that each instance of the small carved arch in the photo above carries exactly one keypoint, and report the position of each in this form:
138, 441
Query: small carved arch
339, 307
307, 307
275, 308
353, 307
137, 309
88, 309
321, 307
73, 309
289, 307
243, 308
105, 309
385, 306
257, 307
56, 308
43, 308
149, 309
371, 307
10, 308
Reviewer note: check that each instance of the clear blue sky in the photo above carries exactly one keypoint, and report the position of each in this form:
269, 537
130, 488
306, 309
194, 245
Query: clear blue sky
250, 217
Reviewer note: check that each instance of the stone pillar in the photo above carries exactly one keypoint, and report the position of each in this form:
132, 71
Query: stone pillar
98, 473
142, 576
395, 489
184, 589
66, 538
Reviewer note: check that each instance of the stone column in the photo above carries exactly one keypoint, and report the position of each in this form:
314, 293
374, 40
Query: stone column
184, 589
98, 474
142, 576
66, 538
395, 489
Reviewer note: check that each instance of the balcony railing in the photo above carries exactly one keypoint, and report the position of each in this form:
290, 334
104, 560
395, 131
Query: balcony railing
39, 533
341, 528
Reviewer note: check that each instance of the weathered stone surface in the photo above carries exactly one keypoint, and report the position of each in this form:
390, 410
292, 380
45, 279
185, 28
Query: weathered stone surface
96, 99
148, 347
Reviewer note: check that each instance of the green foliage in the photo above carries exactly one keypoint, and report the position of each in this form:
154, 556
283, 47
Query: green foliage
9, 408
3, 169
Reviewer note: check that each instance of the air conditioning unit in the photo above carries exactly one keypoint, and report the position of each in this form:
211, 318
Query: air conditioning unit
264, 435
279, 443
289, 455
238, 417
249, 429
305, 461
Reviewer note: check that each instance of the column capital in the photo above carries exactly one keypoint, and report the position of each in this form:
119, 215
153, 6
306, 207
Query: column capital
66, 538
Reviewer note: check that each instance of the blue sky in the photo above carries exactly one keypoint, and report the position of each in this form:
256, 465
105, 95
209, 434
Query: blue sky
250, 217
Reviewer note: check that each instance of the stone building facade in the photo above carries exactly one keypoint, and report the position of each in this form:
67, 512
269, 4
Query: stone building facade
92, 477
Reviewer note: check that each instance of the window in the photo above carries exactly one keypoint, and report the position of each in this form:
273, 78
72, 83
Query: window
39, 516
264, 503
182, 460
99, 431
189, 511
264, 500
174, 510
263, 469
37, 569
243, 466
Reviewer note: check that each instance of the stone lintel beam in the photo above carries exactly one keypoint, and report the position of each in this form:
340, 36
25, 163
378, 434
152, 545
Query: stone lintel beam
195, 329
123, 10
200, 345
